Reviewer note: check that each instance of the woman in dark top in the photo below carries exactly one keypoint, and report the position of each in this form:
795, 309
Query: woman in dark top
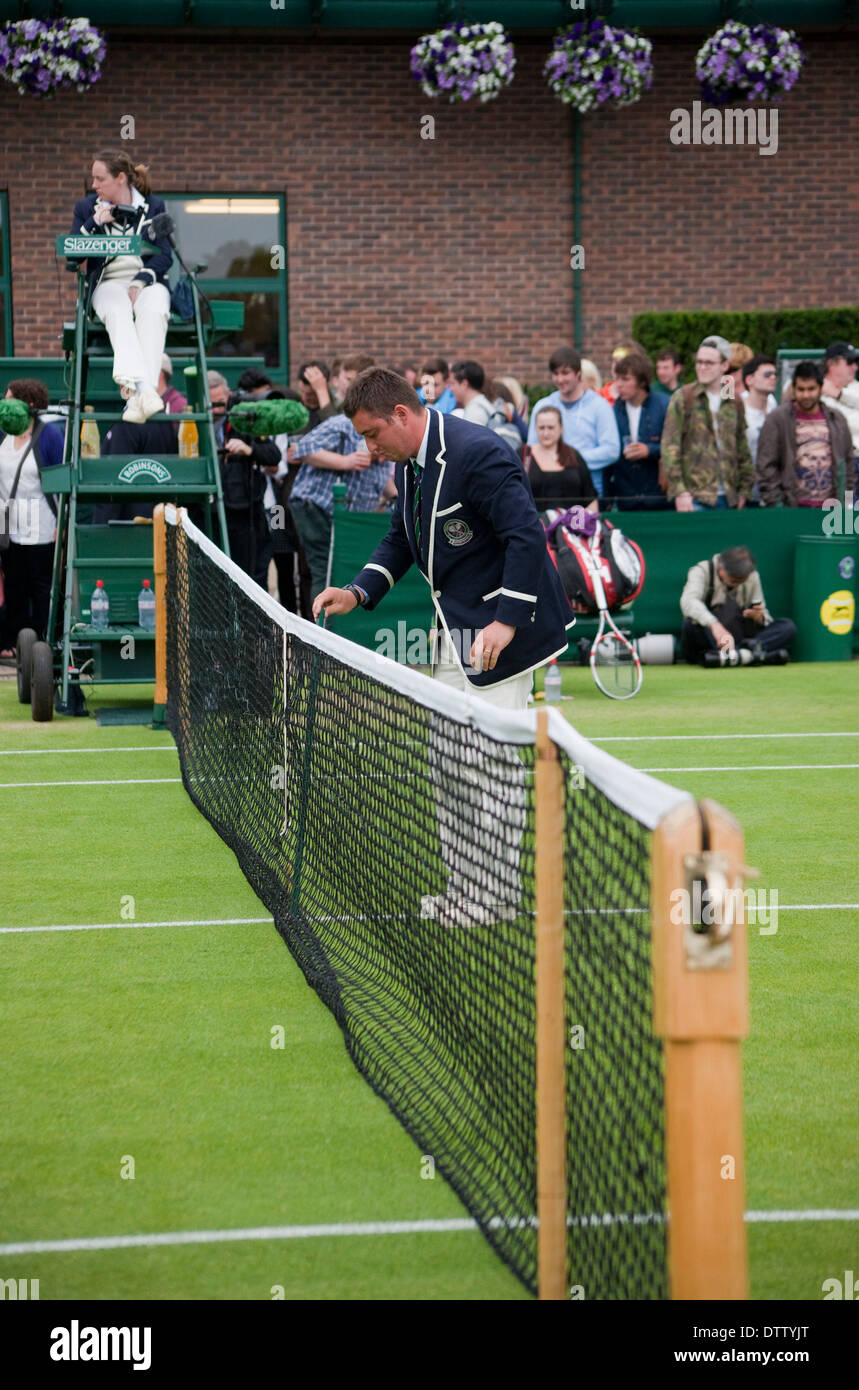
557, 473
129, 294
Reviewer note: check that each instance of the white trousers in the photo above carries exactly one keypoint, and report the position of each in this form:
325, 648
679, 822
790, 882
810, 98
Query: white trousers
137, 332
480, 793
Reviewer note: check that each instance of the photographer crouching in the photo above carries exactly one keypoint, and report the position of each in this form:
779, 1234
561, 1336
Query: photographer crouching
725, 617
244, 463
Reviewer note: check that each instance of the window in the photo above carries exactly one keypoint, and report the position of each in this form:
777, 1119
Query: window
233, 237
5, 281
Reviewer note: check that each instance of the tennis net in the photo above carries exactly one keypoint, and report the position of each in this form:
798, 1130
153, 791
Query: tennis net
387, 823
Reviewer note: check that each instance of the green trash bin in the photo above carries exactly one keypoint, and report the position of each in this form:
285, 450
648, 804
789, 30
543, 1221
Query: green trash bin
824, 597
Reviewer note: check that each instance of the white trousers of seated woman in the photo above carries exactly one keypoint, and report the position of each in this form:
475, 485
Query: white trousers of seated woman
137, 331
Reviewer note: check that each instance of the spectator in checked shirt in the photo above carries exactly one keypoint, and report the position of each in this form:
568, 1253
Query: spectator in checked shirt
332, 448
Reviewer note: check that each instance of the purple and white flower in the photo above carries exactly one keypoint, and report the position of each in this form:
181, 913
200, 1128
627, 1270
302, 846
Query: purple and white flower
41, 57
594, 64
463, 61
742, 62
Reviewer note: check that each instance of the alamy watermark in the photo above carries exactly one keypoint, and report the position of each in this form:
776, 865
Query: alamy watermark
715, 125
841, 521
848, 1287
709, 907
76, 1343
16, 1289
21, 517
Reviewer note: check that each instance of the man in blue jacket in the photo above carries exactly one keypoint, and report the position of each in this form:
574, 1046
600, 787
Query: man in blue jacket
465, 516
640, 413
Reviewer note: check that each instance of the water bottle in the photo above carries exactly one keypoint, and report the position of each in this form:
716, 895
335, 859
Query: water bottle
146, 607
90, 439
100, 605
552, 683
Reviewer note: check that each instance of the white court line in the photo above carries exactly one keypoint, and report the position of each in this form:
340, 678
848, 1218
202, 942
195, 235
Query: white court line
130, 748
751, 767
401, 916
116, 926
710, 738
608, 738
97, 782
748, 767
352, 1228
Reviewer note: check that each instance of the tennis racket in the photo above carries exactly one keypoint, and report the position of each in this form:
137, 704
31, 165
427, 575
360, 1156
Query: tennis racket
615, 665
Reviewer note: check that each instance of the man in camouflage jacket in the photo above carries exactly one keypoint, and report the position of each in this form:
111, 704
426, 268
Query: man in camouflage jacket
705, 452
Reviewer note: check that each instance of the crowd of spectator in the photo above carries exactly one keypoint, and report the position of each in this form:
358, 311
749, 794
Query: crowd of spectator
644, 439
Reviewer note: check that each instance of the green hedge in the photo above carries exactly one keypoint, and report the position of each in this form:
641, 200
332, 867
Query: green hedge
766, 331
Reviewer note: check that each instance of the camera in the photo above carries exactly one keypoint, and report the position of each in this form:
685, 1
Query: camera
124, 214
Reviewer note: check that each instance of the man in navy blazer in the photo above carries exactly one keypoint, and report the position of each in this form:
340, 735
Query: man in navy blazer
465, 516
479, 542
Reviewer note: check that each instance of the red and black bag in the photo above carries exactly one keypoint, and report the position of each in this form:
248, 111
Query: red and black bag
570, 536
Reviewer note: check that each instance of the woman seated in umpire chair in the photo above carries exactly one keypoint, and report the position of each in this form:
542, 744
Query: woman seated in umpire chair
129, 294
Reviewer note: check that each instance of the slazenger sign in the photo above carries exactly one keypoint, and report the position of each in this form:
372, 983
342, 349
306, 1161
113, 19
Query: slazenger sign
76, 245
132, 471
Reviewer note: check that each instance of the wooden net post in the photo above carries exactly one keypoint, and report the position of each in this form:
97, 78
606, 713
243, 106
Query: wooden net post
701, 1010
551, 1090
160, 564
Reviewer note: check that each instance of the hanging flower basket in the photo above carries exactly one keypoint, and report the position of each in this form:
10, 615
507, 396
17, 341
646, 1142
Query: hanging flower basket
464, 61
40, 58
594, 64
739, 62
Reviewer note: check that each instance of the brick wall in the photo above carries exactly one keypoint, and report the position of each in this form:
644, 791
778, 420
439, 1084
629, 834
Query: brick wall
461, 243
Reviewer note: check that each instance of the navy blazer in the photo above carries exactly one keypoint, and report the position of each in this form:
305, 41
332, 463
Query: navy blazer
483, 549
155, 267
635, 482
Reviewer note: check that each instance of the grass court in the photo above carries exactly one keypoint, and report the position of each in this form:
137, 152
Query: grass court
149, 1037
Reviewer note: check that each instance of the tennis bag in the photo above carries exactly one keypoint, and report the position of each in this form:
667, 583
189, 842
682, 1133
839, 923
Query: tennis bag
570, 535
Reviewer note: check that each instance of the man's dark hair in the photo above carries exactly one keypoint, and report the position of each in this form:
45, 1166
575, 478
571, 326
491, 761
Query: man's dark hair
377, 390
738, 562
32, 392
435, 364
635, 364
807, 371
760, 359
313, 362
252, 379
671, 352
469, 371
358, 362
565, 357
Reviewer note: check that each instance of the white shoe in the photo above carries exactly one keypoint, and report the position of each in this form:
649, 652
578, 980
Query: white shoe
150, 402
133, 412
456, 910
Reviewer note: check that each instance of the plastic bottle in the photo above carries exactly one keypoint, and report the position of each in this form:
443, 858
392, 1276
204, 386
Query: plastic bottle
90, 438
189, 439
100, 605
146, 607
552, 683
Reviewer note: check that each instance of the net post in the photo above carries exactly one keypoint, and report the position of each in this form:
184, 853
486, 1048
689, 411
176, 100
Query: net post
551, 1090
700, 1005
160, 569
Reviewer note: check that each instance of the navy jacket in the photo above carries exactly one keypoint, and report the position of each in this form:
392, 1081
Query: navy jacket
635, 482
483, 550
155, 267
